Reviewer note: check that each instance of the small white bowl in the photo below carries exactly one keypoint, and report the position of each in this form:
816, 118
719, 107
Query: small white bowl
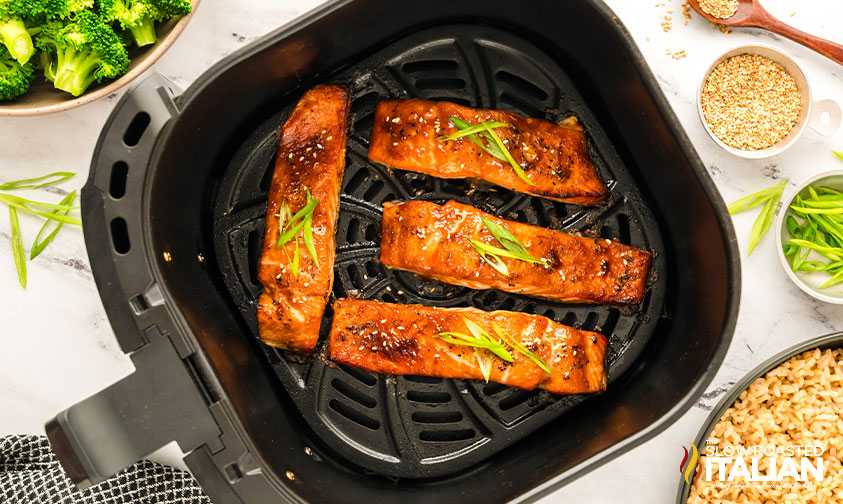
809, 281
825, 118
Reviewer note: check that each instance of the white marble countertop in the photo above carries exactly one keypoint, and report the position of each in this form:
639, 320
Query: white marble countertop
56, 346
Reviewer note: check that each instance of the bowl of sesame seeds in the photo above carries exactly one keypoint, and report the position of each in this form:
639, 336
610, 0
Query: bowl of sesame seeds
755, 102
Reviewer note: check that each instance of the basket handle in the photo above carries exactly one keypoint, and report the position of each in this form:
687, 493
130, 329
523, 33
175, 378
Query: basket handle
158, 403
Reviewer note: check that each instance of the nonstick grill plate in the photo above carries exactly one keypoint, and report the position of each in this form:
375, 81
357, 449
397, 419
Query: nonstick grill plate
421, 427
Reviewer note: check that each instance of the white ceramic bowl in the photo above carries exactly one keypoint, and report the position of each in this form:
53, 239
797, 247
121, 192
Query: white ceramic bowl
43, 98
809, 281
824, 116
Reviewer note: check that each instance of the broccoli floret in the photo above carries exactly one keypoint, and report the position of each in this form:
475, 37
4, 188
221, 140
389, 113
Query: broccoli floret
140, 16
14, 77
19, 18
80, 51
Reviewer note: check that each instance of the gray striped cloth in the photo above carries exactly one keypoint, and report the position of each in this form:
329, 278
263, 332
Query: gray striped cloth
30, 474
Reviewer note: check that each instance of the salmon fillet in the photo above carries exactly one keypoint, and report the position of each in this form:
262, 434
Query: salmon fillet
554, 157
311, 156
401, 339
432, 240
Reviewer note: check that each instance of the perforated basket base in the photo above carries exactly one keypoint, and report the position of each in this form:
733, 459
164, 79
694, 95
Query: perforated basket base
420, 427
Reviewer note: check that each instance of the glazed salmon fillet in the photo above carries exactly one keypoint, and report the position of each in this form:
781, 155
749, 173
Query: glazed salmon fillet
432, 240
311, 156
554, 157
401, 339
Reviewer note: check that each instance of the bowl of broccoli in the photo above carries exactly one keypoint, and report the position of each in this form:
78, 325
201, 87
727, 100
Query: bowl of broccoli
59, 54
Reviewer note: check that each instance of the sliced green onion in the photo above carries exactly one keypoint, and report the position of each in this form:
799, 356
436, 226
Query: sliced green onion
487, 253
289, 228
36, 183
756, 199
491, 147
481, 333
793, 227
762, 223
484, 360
827, 201
520, 348
17, 246
819, 266
822, 232
297, 221
38, 246
826, 210
512, 248
770, 198
308, 239
25, 205
834, 280
295, 263
515, 166
790, 249
466, 128
480, 340
509, 241
495, 147
827, 191
284, 215
485, 250
289, 234
835, 253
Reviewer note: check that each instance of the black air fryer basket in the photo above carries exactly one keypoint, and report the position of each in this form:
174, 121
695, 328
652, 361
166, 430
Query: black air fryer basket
174, 215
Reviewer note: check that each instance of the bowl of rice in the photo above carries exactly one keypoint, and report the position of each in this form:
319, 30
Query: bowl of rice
782, 413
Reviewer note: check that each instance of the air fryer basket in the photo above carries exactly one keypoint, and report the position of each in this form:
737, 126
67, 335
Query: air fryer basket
415, 427
174, 273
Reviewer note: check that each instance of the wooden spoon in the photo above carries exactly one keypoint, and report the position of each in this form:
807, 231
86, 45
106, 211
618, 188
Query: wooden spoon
750, 13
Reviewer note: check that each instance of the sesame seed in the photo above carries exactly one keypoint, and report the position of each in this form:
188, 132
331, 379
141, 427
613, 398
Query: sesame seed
686, 12
721, 9
750, 102
723, 28
329, 138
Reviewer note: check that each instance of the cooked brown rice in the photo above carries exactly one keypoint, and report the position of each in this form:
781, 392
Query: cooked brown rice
798, 403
